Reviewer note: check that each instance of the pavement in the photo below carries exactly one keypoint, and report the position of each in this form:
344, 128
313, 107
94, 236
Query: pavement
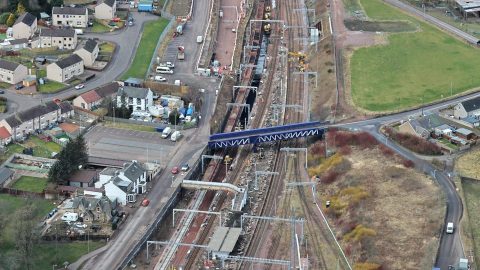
121, 61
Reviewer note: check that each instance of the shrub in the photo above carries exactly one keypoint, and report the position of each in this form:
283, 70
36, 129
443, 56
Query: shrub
386, 151
326, 165
345, 150
367, 266
414, 143
318, 149
329, 177
359, 232
361, 139
407, 163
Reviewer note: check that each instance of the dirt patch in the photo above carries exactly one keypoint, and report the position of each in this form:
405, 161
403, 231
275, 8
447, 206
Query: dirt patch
467, 165
380, 26
379, 201
179, 7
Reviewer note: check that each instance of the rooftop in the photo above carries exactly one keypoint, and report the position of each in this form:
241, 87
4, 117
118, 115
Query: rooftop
471, 104
463, 131
26, 18
90, 96
70, 10
224, 239
68, 61
8, 65
109, 171
83, 176
60, 32
109, 3
5, 174
90, 45
133, 170
133, 92
4, 134
69, 127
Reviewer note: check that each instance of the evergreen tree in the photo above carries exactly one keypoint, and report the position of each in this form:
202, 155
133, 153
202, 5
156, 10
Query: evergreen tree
174, 117
20, 9
56, 3
70, 158
11, 20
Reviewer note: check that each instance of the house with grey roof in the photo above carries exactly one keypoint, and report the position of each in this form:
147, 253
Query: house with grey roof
93, 210
76, 17
467, 108
138, 99
423, 126
25, 26
65, 69
11, 72
62, 38
106, 10
89, 52
38, 117
124, 184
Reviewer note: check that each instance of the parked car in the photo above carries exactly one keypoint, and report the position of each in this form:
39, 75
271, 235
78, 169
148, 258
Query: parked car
175, 170
185, 167
79, 86
159, 78
449, 227
18, 86
2, 92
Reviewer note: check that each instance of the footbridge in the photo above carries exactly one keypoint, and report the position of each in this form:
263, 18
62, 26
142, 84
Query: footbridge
269, 134
240, 193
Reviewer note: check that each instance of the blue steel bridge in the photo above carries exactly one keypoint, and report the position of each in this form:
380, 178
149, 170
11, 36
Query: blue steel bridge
269, 134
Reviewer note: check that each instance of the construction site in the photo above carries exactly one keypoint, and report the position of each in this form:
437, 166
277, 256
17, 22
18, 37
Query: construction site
260, 206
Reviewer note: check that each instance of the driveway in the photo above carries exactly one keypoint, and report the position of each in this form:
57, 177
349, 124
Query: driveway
127, 41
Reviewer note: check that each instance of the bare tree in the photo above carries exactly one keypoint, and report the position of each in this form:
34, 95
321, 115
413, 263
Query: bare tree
25, 235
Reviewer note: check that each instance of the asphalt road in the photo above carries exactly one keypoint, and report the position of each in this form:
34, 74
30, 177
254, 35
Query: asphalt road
130, 233
121, 61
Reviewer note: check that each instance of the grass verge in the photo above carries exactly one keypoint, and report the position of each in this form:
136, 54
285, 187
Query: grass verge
99, 27
151, 33
471, 190
413, 69
50, 87
467, 165
30, 183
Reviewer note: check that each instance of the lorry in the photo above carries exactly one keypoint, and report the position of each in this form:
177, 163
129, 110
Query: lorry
175, 136
181, 53
166, 132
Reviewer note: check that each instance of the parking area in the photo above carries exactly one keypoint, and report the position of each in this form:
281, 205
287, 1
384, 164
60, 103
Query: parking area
124, 144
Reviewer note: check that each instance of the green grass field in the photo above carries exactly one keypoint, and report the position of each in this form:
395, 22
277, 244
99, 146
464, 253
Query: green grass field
45, 254
50, 87
471, 190
151, 33
40, 148
100, 28
30, 183
414, 68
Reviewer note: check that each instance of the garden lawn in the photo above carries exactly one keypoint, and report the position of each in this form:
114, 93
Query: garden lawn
50, 87
414, 68
45, 254
30, 183
40, 148
100, 28
151, 33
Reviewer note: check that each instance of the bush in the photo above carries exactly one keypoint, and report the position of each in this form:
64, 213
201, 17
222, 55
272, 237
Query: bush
362, 139
407, 163
345, 150
386, 151
329, 177
4, 17
414, 143
318, 149
367, 266
359, 233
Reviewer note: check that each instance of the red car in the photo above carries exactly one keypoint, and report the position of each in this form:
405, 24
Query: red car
175, 170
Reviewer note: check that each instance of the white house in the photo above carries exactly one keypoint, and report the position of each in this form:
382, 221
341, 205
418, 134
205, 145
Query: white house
106, 10
65, 69
70, 16
124, 184
89, 52
139, 99
25, 26
11, 72
467, 108
61, 38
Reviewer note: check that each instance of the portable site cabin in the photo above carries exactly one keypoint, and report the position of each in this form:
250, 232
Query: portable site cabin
145, 6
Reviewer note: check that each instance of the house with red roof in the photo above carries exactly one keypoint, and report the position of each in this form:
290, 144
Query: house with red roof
95, 96
5, 136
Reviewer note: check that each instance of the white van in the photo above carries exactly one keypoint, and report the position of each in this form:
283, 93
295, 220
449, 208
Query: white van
176, 136
199, 39
70, 217
166, 132
449, 227
164, 69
